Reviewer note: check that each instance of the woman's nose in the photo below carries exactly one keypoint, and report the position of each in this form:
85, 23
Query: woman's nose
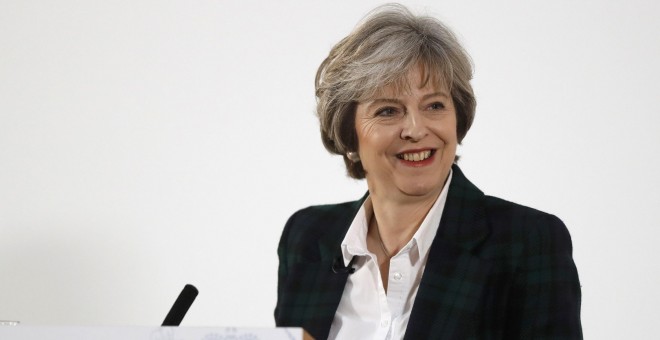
413, 128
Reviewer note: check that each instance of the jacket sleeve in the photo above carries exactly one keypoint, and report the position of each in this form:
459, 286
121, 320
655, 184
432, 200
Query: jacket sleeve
282, 255
545, 296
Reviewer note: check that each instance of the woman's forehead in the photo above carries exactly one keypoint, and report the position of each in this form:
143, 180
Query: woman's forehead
418, 77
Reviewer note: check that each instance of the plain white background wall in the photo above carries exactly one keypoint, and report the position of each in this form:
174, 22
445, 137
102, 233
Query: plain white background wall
149, 144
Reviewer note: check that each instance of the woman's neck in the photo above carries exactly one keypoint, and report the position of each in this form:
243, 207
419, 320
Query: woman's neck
391, 226
397, 221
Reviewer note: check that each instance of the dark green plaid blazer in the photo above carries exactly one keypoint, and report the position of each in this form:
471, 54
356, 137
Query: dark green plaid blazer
496, 270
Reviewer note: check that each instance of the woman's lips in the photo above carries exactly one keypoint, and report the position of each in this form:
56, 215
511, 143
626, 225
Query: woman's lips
416, 157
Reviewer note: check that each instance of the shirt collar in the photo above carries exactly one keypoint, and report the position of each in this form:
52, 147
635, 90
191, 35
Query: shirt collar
429, 227
355, 241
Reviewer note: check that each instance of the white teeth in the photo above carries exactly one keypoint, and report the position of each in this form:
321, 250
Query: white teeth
417, 156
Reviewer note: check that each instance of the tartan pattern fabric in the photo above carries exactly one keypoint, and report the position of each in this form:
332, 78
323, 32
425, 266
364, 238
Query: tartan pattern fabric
496, 270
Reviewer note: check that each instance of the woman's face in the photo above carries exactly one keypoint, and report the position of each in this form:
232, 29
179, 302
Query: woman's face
407, 141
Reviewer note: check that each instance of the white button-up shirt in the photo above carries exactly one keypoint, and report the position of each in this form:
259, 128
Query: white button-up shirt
365, 310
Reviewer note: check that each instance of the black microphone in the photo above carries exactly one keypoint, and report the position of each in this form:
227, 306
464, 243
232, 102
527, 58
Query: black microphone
181, 306
339, 268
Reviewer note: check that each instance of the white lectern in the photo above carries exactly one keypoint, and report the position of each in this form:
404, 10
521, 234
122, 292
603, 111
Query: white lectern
21, 332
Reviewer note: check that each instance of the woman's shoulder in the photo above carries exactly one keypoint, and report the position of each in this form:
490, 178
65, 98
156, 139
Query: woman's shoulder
326, 212
526, 224
324, 216
316, 220
498, 208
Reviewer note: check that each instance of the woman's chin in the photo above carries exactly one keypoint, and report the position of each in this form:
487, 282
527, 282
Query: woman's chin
420, 189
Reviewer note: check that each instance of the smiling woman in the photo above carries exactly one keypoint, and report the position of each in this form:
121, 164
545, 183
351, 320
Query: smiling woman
424, 254
407, 140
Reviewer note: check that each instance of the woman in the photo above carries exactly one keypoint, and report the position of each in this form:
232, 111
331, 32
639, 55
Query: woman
424, 254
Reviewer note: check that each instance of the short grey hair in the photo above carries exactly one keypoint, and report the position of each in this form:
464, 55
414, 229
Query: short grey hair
379, 52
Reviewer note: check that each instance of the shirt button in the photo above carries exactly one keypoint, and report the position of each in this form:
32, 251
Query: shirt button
384, 323
397, 276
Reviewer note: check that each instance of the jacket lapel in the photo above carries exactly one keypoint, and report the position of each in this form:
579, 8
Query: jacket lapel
453, 280
329, 286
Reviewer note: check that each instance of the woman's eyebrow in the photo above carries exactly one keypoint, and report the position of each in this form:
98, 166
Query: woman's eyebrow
382, 101
435, 94
397, 101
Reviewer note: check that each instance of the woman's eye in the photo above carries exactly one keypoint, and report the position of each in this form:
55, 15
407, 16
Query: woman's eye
437, 106
386, 112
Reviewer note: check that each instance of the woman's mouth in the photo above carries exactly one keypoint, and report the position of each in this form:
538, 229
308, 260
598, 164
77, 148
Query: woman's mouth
416, 156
